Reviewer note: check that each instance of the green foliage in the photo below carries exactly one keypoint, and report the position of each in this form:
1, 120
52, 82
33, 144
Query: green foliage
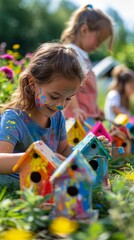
30, 23
126, 55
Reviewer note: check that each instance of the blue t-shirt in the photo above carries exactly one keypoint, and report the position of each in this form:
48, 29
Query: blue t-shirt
21, 130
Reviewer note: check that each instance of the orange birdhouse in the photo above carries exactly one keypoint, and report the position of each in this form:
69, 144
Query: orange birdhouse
36, 166
75, 131
121, 138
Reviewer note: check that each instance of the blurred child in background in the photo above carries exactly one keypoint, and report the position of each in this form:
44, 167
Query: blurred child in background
120, 90
86, 30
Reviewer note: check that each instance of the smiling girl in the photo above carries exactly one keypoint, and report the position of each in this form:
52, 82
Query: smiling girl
34, 113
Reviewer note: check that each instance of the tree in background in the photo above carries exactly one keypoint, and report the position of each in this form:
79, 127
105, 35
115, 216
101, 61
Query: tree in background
31, 22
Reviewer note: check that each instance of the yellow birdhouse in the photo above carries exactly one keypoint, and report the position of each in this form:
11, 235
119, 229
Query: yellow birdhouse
121, 119
75, 131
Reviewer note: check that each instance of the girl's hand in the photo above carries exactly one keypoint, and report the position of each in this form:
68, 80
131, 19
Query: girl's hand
61, 157
106, 143
79, 114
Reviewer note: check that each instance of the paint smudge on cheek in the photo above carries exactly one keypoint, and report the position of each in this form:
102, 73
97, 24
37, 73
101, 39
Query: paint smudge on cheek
40, 99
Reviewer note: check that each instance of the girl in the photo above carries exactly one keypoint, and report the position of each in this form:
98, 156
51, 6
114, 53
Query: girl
121, 88
47, 85
86, 30
34, 112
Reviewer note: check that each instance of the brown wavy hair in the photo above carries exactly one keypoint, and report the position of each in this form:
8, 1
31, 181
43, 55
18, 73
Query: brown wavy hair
49, 59
95, 19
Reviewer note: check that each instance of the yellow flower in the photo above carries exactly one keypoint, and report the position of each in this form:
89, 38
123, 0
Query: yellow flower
15, 234
16, 46
63, 226
129, 176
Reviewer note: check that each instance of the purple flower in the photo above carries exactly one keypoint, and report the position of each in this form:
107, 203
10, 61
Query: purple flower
8, 72
7, 56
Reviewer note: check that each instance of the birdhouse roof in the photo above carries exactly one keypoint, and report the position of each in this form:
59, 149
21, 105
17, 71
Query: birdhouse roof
43, 151
89, 138
84, 172
102, 130
71, 122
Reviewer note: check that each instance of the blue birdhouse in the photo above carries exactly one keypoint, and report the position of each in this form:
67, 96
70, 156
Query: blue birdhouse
130, 127
97, 156
72, 183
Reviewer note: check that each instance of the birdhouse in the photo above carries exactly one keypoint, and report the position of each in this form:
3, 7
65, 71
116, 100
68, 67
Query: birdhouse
35, 168
99, 129
131, 119
75, 131
72, 183
122, 119
130, 127
97, 156
121, 138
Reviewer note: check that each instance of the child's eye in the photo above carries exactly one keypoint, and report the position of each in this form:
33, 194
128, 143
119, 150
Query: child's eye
54, 98
68, 99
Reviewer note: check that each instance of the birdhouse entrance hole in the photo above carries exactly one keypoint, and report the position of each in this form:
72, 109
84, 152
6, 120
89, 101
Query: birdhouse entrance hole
93, 145
94, 164
124, 144
35, 177
35, 155
72, 191
76, 140
74, 167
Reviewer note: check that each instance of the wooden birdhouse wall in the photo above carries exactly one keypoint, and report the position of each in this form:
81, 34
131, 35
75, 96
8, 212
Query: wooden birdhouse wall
100, 166
117, 143
35, 170
75, 132
73, 198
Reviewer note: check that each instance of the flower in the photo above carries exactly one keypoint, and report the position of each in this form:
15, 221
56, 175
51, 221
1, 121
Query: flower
129, 176
8, 72
63, 226
28, 55
16, 46
15, 234
7, 56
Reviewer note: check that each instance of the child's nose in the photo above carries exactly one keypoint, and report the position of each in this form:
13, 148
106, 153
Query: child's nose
60, 105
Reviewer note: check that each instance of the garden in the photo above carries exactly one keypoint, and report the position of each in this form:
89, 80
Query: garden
23, 215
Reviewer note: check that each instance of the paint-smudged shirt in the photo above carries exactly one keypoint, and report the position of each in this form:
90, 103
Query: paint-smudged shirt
21, 130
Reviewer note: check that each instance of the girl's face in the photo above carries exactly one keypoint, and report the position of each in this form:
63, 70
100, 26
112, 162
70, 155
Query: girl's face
129, 88
56, 95
88, 40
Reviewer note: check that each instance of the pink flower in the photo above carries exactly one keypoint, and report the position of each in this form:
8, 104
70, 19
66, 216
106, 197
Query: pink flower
8, 72
28, 55
7, 56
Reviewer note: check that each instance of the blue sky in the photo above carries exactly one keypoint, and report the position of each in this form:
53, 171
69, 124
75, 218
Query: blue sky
124, 7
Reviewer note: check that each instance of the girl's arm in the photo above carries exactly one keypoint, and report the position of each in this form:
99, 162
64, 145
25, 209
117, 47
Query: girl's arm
116, 110
79, 113
7, 158
64, 148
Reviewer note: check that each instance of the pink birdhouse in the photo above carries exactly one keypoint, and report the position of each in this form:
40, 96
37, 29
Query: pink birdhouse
35, 168
99, 129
